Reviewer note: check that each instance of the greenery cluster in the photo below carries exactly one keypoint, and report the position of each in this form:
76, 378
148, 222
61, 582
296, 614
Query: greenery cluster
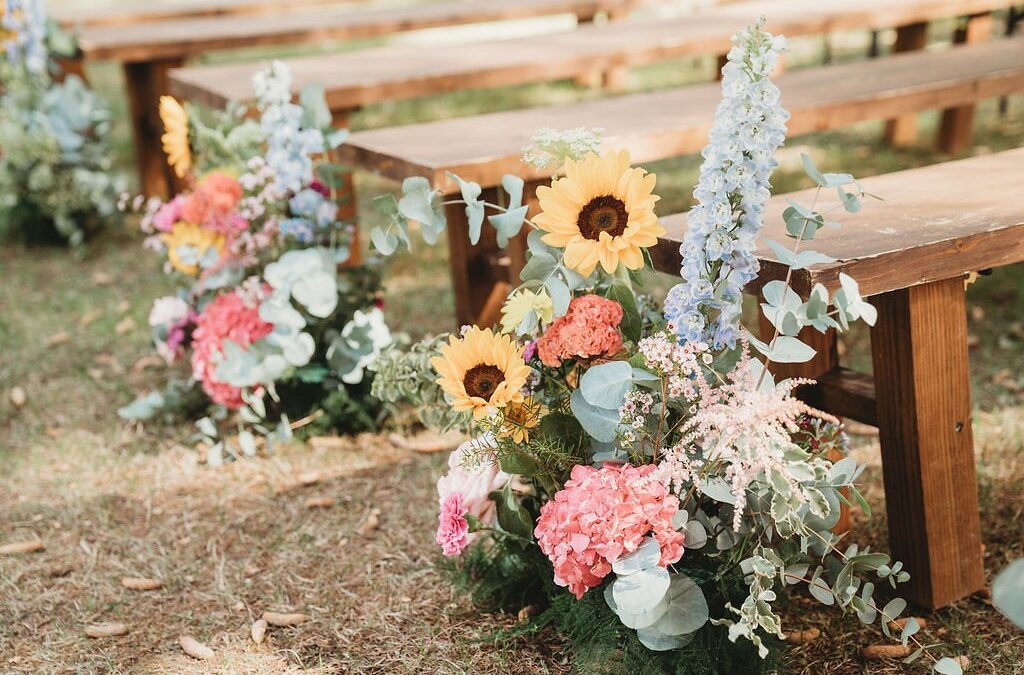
57, 182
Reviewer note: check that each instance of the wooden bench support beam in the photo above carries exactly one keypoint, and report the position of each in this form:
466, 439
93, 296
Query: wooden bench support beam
844, 393
902, 131
347, 205
919, 347
146, 83
956, 128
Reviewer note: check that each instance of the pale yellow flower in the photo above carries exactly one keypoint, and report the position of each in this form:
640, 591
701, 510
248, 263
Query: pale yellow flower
521, 303
175, 137
601, 212
482, 371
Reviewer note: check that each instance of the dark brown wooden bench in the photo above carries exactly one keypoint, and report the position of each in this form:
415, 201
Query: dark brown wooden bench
910, 253
659, 125
150, 50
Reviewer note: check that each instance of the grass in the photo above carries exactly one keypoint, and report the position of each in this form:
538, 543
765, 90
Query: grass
112, 500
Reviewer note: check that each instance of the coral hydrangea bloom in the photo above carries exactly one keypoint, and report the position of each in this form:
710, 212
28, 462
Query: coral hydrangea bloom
175, 136
601, 515
589, 329
481, 372
601, 212
214, 201
228, 317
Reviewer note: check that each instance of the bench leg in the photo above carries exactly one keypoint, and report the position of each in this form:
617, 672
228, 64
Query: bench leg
955, 131
902, 130
826, 360
146, 83
483, 274
922, 380
475, 270
347, 204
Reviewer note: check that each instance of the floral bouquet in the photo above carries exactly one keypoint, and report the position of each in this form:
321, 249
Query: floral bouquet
56, 182
272, 316
638, 477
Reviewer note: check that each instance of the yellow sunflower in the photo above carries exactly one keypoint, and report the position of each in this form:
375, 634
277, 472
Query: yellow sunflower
481, 372
175, 137
601, 211
519, 419
193, 238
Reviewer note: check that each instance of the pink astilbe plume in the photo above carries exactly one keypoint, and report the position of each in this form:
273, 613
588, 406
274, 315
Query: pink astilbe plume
601, 515
231, 316
740, 431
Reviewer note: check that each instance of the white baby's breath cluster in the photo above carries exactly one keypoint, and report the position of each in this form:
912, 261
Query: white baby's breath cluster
718, 251
549, 148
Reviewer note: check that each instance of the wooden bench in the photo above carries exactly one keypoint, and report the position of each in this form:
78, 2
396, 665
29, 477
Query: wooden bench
123, 15
354, 79
150, 50
664, 124
911, 253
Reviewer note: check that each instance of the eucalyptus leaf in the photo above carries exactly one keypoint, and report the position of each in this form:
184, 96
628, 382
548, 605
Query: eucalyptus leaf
607, 384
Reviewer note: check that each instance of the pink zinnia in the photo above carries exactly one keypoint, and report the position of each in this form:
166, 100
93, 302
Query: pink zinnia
452, 526
589, 329
228, 317
601, 515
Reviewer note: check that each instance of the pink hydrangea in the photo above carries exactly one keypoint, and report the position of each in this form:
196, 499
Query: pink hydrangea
589, 329
452, 526
230, 316
601, 515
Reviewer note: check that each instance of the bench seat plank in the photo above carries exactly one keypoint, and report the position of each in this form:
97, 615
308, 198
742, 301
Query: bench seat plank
401, 71
676, 122
123, 15
186, 37
936, 222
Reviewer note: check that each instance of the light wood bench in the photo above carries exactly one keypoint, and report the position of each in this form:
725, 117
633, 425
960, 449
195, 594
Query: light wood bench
129, 15
911, 253
354, 79
660, 125
149, 51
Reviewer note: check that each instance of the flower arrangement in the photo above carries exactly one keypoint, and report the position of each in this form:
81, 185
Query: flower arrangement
56, 178
652, 488
271, 315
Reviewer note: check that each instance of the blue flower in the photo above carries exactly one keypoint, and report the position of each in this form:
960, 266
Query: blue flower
734, 184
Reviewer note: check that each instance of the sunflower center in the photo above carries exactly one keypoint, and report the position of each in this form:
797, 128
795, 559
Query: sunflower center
482, 380
602, 214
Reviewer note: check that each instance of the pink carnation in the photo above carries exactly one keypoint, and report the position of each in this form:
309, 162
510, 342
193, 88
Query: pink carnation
589, 329
601, 515
228, 317
452, 526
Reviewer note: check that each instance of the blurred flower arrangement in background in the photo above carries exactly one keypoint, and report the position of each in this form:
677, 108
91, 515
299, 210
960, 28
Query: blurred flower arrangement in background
637, 479
56, 178
273, 316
